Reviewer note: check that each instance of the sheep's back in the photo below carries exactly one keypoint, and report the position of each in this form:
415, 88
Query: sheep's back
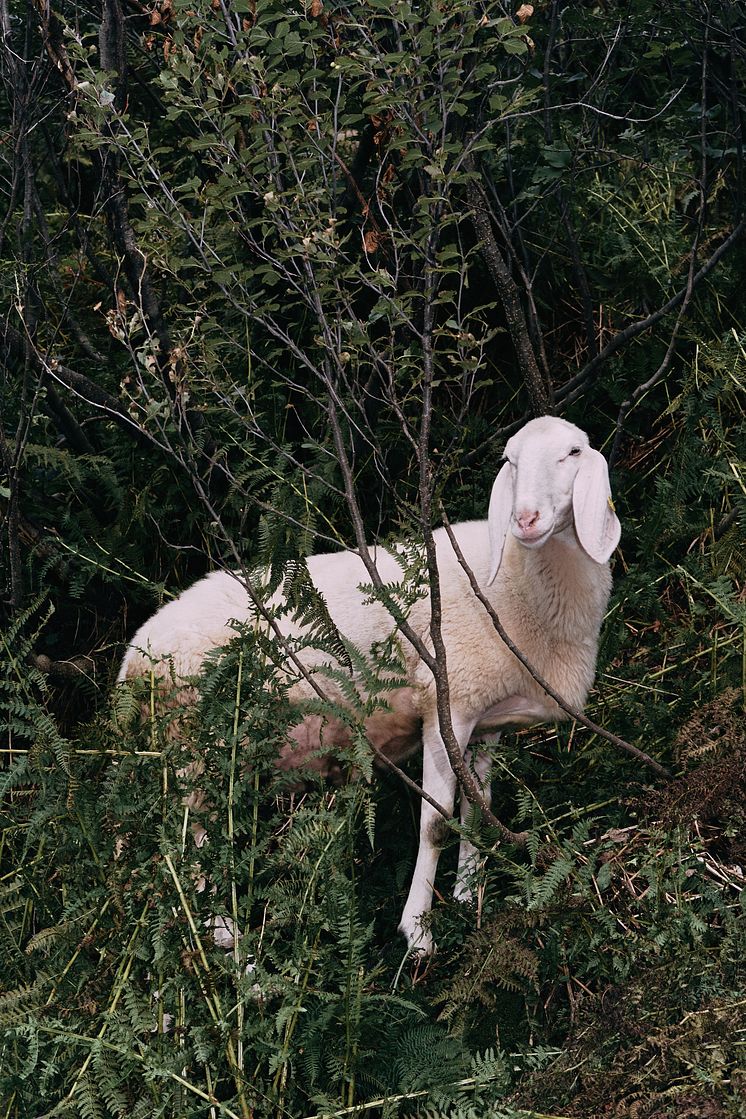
177, 638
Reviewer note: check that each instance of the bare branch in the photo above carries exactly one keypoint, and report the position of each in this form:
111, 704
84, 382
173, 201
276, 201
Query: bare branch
574, 388
436, 666
440, 668
539, 393
73, 669
406, 780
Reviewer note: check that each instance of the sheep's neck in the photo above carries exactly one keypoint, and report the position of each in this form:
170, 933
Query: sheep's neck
559, 586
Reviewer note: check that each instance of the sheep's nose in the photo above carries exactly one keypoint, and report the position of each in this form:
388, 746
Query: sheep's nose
527, 520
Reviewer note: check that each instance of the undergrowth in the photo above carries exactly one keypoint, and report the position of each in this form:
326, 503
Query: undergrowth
599, 973
245, 280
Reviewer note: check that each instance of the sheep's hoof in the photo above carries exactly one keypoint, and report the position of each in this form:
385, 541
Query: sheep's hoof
419, 940
463, 892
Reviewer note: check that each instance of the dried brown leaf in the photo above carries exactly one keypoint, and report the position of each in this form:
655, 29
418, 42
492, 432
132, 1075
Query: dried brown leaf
371, 241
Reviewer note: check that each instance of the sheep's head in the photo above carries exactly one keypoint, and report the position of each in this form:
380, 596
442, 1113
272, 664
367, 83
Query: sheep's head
552, 477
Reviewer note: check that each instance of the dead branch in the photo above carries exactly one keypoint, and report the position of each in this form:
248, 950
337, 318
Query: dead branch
72, 669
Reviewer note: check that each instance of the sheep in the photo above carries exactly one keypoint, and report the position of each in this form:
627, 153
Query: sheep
540, 559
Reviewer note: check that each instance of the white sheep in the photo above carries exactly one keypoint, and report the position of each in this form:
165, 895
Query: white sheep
541, 560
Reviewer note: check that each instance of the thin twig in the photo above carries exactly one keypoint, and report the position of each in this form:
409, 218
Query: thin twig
469, 786
558, 699
454, 748
573, 388
407, 780
662, 369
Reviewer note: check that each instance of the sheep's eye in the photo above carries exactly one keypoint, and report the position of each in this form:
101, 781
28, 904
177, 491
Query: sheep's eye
575, 451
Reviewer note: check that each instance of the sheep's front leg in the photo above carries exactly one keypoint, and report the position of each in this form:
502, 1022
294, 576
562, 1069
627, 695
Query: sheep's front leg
439, 781
468, 856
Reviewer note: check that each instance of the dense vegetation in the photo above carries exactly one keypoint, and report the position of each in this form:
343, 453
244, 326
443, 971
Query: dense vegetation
277, 277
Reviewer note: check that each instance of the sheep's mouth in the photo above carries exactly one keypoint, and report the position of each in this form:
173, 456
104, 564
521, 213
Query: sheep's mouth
532, 538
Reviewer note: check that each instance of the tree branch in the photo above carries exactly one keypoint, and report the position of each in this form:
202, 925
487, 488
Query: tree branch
406, 780
573, 388
538, 392
82, 387
410, 634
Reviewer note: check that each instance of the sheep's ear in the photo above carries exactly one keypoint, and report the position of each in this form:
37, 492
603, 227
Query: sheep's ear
596, 522
498, 518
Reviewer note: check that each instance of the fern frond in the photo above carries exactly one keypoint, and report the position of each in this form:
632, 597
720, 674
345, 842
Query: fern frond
44, 938
492, 958
18, 1005
543, 890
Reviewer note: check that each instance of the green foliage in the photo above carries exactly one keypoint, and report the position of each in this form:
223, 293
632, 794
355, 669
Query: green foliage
242, 286
117, 999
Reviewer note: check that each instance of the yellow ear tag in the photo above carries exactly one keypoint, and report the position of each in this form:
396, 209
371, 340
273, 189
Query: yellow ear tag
611, 504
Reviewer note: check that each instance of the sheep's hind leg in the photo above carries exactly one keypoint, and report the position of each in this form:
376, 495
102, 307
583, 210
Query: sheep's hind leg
479, 762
